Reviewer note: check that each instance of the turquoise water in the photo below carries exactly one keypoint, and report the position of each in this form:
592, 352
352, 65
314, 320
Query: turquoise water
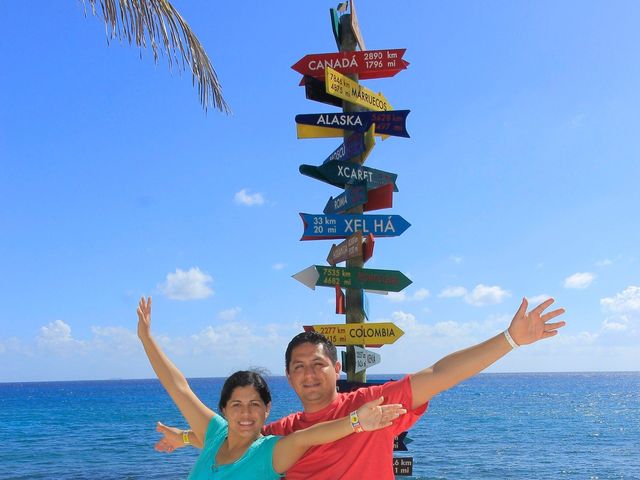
521, 426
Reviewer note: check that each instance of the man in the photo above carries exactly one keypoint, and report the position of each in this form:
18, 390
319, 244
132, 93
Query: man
313, 370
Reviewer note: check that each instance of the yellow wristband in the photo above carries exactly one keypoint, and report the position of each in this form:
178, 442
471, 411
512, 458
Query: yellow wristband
185, 437
355, 422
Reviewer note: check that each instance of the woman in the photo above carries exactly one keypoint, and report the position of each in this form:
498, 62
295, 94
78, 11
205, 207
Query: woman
233, 446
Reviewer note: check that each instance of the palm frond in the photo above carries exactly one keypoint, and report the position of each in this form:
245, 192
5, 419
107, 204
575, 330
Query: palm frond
157, 22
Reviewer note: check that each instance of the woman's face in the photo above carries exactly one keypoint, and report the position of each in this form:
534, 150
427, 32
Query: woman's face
245, 411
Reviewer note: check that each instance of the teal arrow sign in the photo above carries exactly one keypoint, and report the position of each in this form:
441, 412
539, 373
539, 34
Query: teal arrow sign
339, 174
352, 197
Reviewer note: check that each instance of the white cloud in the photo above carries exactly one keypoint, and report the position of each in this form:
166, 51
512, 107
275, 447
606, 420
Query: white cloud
229, 314
189, 285
278, 266
421, 294
456, 259
623, 310
452, 292
114, 339
398, 297
579, 280
56, 336
537, 299
483, 295
626, 302
604, 263
244, 198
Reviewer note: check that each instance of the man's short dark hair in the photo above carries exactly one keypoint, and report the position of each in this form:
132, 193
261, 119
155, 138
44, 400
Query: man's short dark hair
314, 338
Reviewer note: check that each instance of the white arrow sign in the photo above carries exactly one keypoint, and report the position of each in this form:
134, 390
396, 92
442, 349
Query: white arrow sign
365, 358
308, 276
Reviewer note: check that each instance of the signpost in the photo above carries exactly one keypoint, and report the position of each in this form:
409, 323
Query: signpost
361, 278
392, 122
328, 227
333, 78
365, 64
369, 334
343, 87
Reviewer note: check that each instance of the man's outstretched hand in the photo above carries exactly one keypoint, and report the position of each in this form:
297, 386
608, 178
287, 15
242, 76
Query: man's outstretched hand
529, 327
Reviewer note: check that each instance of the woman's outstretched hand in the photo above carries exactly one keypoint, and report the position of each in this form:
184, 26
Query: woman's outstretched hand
374, 416
171, 438
530, 327
144, 317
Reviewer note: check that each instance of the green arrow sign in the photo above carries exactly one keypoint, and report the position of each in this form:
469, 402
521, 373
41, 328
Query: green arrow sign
364, 278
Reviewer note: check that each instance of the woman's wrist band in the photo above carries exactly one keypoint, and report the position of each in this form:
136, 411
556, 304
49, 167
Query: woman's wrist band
355, 422
185, 437
510, 339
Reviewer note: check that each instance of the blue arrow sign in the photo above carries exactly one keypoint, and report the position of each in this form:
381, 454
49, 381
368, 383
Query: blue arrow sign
352, 197
392, 122
326, 227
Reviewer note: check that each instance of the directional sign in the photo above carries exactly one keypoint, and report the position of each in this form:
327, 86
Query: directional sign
369, 278
403, 466
366, 64
340, 301
367, 248
328, 227
315, 89
355, 28
370, 334
352, 197
340, 174
343, 87
335, 25
379, 198
392, 122
357, 143
364, 359
365, 305
350, 248
400, 442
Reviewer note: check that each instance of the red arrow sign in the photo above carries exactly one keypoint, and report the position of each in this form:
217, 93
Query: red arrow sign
367, 248
381, 197
367, 64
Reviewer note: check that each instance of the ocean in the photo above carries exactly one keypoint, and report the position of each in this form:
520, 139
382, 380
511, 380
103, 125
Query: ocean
502, 426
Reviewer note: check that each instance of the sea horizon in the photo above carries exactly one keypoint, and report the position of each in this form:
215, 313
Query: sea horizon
268, 375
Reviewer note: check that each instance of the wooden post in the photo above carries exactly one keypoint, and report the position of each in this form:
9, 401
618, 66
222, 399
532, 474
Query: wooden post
354, 308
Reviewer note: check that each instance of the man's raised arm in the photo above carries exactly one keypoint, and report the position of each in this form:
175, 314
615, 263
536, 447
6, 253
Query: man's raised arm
525, 328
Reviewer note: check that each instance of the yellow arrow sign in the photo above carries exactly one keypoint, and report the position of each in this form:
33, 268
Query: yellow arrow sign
311, 131
369, 334
343, 87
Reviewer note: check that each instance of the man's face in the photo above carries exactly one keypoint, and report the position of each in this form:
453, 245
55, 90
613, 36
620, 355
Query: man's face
313, 376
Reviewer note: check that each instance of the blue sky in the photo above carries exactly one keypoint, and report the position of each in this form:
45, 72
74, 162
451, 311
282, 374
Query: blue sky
520, 179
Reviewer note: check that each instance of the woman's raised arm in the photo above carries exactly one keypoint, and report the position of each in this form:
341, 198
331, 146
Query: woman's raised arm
197, 414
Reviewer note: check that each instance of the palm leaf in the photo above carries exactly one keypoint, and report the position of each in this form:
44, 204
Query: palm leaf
158, 23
